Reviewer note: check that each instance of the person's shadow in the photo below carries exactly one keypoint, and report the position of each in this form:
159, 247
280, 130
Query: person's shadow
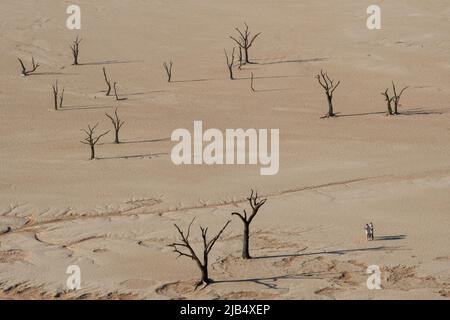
390, 238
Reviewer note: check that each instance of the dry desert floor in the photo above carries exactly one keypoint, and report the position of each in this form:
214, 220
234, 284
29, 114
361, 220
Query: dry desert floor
114, 216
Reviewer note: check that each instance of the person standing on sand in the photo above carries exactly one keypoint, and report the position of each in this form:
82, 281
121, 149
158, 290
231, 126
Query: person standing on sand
371, 231
367, 229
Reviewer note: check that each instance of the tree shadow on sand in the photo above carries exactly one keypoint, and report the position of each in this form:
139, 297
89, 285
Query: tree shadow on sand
146, 141
292, 61
86, 107
339, 115
390, 238
135, 156
98, 63
333, 252
271, 282
422, 111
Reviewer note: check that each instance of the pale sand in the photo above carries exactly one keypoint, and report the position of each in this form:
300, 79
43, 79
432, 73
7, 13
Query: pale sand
114, 217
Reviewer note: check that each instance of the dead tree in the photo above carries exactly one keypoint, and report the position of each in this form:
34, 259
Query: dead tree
168, 67
108, 83
389, 101
393, 99
26, 72
75, 50
230, 62
251, 82
255, 204
184, 248
117, 123
55, 89
91, 139
245, 40
329, 86
116, 94
61, 99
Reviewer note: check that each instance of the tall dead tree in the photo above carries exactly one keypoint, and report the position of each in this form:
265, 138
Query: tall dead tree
75, 50
255, 204
26, 72
245, 40
117, 123
91, 139
329, 86
230, 62
395, 99
184, 248
168, 67
108, 83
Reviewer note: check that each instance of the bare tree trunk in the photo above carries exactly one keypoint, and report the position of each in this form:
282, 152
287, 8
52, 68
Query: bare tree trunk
205, 275
245, 241
108, 83
55, 95
61, 99
251, 82
330, 106
92, 152
168, 67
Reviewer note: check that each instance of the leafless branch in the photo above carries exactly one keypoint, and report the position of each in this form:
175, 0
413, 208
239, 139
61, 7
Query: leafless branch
26, 72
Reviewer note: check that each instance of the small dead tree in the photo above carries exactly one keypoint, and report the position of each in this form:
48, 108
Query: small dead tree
184, 248
389, 101
75, 50
116, 94
230, 62
26, 72
168, 67
117, 123
91, 139
329, 86
393, 99
245, 40
108, 83
252, 79
255, 204
61, 99
55, 89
